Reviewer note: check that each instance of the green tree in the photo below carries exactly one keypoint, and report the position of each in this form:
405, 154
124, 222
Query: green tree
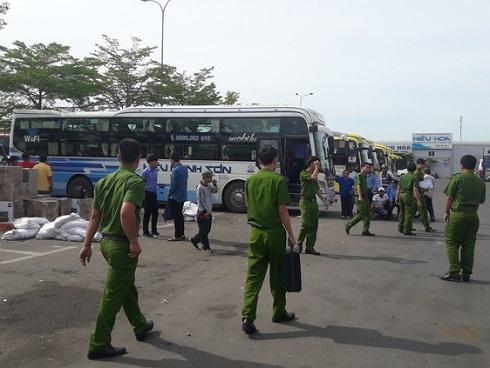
3, 10
125, 73
42, 75
231, 98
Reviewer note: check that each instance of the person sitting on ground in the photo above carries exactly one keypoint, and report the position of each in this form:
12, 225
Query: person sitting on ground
381, 205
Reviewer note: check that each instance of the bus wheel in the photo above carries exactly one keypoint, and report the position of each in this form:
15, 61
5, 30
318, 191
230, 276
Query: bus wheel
80, 187
234, 197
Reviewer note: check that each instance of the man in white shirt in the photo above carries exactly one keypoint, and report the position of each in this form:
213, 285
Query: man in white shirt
381, 205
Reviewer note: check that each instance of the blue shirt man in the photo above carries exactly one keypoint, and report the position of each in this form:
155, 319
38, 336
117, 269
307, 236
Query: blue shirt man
346, 185
150, 174
177, 195
372, 182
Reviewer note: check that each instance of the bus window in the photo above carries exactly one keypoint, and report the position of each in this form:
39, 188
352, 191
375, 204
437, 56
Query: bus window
193, 151
192, 125
251, 125
293, 126
37, 136
239, 152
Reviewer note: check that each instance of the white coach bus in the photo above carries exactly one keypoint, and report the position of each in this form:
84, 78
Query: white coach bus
81, 146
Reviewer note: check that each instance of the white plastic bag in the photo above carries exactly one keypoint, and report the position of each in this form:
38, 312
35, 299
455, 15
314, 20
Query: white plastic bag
81, 223
30, 222
75, 238
97, 237
189, 210
48, 231
75, 231
20, 234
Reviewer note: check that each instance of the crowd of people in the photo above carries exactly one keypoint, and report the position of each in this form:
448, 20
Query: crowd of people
119, 196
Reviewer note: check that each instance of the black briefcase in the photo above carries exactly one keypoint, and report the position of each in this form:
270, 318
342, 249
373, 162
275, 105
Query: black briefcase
168, 212
292, 270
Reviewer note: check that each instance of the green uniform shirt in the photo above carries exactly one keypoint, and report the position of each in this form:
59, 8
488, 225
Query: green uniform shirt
467, 190
264, 192
360, 180
111, 192
419, 174
407, 182
308, 187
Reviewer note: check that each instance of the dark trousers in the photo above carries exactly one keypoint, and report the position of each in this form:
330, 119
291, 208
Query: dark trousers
151, 210
204, 229
346, 204
370, 195
429, 205
178, 218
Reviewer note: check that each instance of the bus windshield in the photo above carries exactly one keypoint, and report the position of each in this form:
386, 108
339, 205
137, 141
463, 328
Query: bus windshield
322, 150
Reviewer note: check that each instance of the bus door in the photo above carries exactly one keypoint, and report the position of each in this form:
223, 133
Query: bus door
296, 150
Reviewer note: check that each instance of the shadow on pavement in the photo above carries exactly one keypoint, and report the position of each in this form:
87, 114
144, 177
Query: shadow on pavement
190, 357
369, 258
371, 338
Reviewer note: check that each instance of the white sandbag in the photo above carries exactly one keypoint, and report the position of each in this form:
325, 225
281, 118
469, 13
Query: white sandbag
74, 224
48, 231
75, 231
30, 222
59, 237
60, 221
20, 234
97, 237
189, 210
75, 238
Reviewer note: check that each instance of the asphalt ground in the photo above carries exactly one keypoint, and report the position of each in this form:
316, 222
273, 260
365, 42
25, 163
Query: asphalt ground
366, 302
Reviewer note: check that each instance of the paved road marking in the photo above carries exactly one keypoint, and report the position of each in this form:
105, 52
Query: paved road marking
35, 255
18, 251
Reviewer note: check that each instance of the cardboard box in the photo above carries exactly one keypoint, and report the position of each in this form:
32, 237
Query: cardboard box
11, 175
10, 192
29, 183
64, 204
9, 211
82, 206
48, 208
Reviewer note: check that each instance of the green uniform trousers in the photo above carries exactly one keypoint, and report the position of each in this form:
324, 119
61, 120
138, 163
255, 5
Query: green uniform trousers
267, 246
119, 291
461, 232
309, 222
361, 215
424, 216
407, 210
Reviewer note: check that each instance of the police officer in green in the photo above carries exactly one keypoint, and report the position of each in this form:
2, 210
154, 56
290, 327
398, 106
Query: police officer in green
465, 192
116, 205
360, 189
424, 217
308, 205
406, 195
267, 197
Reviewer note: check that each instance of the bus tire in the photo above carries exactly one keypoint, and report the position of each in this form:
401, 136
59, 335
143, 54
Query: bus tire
234, 197
80, 187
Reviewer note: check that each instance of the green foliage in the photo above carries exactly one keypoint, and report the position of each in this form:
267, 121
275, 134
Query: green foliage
3, 10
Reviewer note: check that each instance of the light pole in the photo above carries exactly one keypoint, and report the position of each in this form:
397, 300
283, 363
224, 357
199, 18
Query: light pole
301, 96
162, 8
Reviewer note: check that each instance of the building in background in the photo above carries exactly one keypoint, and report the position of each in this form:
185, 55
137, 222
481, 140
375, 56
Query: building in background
441, 152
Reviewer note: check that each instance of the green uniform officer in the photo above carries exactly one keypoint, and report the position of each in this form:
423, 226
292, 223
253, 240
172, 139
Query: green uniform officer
407, 193
117, 201
267, 197
308, 205
424, 217
362, 204
465, 192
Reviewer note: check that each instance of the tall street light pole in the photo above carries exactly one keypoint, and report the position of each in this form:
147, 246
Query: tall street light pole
162, 8
301, 96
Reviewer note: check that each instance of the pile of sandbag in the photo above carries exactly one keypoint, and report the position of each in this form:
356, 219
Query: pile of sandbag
25, 228
69, 228
189, 210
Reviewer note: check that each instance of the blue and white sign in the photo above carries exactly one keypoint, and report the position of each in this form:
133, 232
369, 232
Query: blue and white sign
432, 141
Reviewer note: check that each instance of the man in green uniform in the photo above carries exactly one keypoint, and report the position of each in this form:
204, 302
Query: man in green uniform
424, 218
117, 201
406, 193
360, 189
267, 197
308, 205
465, 192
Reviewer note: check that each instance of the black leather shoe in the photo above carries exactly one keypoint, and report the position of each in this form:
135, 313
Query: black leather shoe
367, 233
455, 277
400, 231
142, 336
286, 317
347, 229
147, 235
430, 230
312, 251
107, 353
410, 233
155, 233
466, 277
248, 327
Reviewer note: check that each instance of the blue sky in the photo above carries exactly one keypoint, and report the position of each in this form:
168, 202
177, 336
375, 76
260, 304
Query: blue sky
383, 69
